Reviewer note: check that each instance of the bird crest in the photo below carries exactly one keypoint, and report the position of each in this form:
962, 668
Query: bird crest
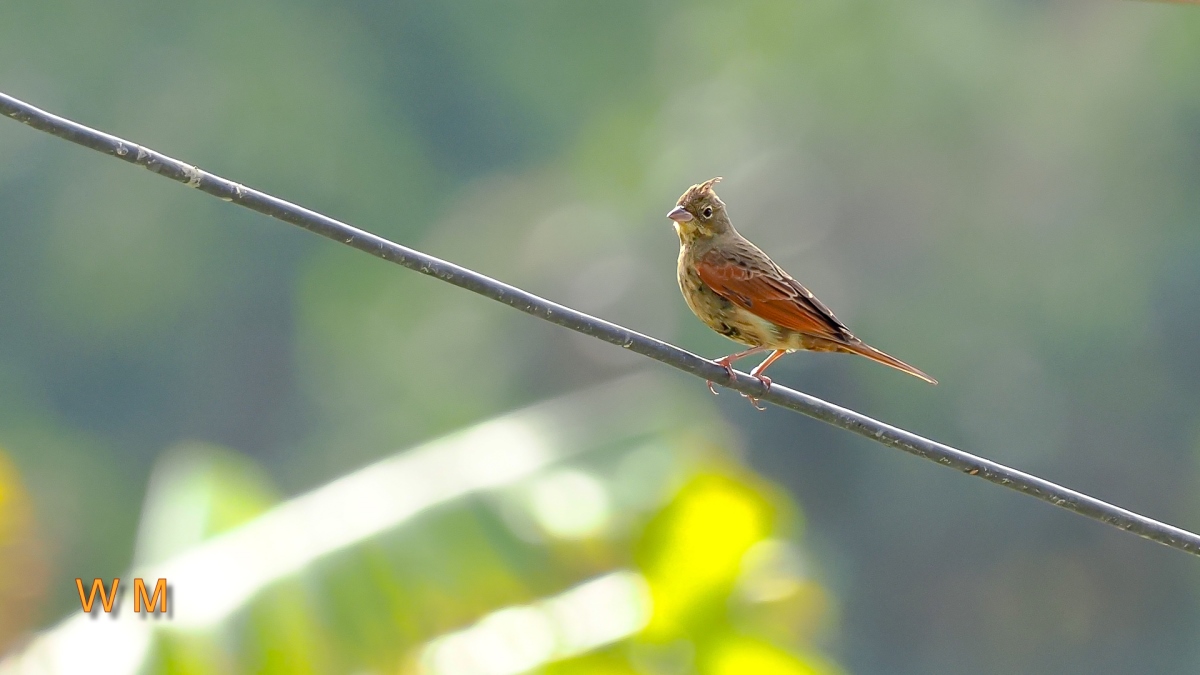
696, 192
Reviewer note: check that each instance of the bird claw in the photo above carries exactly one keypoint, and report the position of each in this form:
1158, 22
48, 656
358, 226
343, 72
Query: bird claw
766, 383
728, 366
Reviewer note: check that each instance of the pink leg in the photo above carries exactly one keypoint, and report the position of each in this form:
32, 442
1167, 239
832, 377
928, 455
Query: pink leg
727, 363
758, 372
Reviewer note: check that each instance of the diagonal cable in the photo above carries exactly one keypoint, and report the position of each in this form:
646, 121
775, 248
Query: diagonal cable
645, 345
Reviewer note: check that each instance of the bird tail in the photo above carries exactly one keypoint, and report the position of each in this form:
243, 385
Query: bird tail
863, 349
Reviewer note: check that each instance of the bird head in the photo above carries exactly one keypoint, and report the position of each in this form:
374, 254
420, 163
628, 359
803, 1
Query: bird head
699, 213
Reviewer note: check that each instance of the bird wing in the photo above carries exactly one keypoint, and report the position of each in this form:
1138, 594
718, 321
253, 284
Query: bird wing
745, 276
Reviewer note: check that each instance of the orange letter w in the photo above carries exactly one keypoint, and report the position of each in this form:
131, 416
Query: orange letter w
106, 599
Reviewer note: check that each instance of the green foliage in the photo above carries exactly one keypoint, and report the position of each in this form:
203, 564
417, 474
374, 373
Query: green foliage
713, 546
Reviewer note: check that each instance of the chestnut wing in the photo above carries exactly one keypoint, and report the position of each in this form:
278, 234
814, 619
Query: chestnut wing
751, 281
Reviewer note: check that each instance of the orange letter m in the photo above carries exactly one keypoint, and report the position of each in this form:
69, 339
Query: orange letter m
106, 599
140, 596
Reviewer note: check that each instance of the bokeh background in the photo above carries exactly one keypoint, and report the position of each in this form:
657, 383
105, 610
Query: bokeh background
1002, 193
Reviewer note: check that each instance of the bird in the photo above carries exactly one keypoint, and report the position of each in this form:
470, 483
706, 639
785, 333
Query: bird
739, 292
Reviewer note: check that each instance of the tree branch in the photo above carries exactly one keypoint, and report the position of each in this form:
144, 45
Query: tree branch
609, 332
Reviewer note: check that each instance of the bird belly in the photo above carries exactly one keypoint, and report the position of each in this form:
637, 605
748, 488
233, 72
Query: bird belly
762, 333
732, 321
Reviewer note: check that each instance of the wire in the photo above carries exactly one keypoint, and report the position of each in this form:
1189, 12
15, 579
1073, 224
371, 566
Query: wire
598, 328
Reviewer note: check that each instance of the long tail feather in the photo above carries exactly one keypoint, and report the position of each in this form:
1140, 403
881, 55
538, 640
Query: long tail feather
863, 349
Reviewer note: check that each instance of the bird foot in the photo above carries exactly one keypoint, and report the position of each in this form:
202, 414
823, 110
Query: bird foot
766, 383
725, 363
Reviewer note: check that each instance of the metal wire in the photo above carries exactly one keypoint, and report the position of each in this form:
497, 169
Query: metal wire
589, 325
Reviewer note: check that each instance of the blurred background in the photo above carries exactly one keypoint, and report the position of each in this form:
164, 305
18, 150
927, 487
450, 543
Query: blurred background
1002, 193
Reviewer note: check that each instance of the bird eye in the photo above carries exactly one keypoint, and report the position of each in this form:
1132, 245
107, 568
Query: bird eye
708, 212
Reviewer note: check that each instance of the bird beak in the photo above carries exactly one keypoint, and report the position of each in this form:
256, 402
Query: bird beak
679, 215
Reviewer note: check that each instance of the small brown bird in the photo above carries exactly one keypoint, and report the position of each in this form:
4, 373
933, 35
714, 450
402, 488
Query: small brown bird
734, 288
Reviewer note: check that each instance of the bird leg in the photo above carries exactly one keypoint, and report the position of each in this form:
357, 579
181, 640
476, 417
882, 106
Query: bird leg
727, 363
758, 373
758, 370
